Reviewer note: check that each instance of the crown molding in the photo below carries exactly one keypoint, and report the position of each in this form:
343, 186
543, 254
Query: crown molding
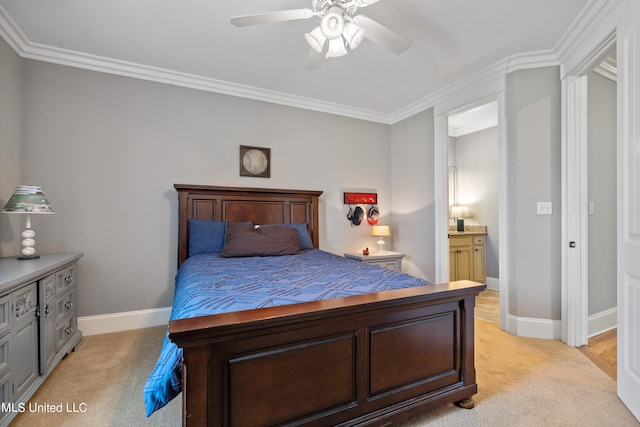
608, 69
491, 76
488, 79
475, 127
539, 59
11, 33
29, 50
580, 30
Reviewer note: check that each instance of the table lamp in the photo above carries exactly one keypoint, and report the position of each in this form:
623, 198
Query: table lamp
460, 213
28, 199
380, 231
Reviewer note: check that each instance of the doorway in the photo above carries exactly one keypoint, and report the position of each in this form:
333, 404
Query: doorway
590, 165
473, 189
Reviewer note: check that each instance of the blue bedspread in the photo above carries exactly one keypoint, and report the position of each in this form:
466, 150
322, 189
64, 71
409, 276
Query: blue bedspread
206, 284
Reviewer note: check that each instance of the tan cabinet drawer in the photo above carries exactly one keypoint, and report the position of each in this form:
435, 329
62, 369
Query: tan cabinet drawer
478, 240
460, 240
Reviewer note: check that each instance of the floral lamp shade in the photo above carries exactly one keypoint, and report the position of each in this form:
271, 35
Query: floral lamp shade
28, 199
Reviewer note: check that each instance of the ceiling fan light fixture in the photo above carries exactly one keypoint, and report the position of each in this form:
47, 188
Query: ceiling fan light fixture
353, 34
316, 39
332, 24
336, 48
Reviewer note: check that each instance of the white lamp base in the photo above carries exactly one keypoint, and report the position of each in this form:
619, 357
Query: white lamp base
28, 242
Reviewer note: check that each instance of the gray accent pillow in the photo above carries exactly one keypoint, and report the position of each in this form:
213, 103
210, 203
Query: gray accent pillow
243, 240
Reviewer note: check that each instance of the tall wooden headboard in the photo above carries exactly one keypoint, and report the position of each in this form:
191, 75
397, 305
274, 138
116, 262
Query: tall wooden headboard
260, 205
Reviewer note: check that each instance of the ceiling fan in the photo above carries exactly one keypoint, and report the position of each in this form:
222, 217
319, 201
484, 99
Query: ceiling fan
339, 28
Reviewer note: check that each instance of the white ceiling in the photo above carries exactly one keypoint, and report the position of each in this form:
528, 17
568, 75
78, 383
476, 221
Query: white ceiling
193, 41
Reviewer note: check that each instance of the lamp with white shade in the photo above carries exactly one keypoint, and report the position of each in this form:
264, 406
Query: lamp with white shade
460, 213
28, 199
380, 231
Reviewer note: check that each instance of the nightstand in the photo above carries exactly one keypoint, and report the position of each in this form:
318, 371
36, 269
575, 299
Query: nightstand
389, 260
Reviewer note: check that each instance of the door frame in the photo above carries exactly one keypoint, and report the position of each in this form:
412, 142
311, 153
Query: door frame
468, 99
574, 179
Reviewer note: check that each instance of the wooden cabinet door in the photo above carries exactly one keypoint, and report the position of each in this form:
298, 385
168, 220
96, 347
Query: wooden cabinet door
464, 263
479, 264
453, 264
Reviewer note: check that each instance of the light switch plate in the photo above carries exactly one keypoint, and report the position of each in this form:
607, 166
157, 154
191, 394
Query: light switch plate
545, 208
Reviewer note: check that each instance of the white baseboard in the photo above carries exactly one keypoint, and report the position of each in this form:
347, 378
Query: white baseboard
534, 328
602, 322
117, 322
493, 283
520, 326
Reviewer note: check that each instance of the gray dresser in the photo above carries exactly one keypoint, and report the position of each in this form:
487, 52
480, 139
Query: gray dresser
38, 324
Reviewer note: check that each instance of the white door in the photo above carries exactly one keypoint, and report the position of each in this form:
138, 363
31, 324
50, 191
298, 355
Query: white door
629, 217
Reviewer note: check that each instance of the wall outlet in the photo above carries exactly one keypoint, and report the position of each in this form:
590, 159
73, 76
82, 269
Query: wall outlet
545, 208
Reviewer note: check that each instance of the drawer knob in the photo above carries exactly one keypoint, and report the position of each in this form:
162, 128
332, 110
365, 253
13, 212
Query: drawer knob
68, 279
68, 330
68, 305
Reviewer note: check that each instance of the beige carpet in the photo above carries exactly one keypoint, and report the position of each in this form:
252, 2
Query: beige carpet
522, 382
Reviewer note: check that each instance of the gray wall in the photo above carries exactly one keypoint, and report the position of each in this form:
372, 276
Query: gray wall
108, 149
477, 169
412, 187
9, 147
602, 192
533, 101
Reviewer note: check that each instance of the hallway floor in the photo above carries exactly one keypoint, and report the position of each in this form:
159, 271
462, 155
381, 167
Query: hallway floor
601, 349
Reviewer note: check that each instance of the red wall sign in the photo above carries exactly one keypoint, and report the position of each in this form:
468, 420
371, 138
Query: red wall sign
360, 198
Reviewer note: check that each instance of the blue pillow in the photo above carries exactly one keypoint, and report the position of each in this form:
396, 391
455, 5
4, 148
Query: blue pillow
304, 239
206, 237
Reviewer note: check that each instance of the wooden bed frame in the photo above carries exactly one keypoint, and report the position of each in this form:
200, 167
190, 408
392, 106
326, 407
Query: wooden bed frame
364, 360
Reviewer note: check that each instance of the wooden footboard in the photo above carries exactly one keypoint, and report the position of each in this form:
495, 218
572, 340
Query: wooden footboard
361, 360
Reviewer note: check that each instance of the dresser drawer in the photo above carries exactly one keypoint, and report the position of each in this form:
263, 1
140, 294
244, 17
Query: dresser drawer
64, 332
393, 265
65, 307
478, 240
66, 280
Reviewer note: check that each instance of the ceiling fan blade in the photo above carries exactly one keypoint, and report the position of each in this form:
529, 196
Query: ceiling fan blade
365, 3
381, 35
315, 59
269, 17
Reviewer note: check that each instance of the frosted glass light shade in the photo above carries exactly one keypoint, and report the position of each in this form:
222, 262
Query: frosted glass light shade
316, 39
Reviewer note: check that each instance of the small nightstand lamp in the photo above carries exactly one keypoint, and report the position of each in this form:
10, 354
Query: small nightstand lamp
380, 231
460, 213
28, 199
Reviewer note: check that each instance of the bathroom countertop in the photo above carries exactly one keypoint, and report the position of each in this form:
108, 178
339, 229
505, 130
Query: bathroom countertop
468, 230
